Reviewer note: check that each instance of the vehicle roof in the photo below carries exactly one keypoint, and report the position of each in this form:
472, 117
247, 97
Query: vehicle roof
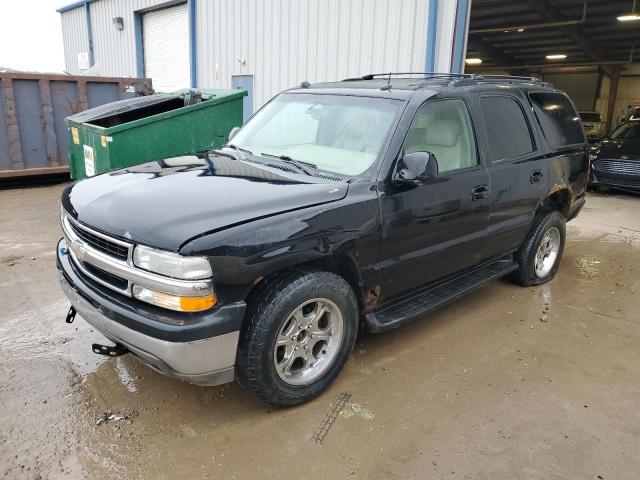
405, 87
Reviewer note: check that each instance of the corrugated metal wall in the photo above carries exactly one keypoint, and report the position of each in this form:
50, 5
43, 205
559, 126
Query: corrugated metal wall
115, 50
279, 42
283, 42
75, 39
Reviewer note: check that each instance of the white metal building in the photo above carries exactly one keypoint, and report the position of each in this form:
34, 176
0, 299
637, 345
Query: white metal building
263, 46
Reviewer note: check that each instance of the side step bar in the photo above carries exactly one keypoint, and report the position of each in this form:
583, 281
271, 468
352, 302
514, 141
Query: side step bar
413, 306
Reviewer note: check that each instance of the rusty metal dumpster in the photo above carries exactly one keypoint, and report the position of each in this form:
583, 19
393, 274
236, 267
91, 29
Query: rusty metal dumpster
33, 136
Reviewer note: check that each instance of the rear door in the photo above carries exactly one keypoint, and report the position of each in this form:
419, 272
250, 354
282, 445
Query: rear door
517, 168
436, 228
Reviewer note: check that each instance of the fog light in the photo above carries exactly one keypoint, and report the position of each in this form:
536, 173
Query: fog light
172, 302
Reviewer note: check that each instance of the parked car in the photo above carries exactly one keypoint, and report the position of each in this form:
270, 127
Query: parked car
633, 115
339, 207
592, 124
616, 159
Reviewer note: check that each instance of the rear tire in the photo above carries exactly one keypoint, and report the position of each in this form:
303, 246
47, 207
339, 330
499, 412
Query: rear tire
539, 256
298, 334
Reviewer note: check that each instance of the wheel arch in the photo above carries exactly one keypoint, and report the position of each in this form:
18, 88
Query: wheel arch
339, 263
559, 200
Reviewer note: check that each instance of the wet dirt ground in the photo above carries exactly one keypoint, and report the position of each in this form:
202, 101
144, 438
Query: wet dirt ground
508, 383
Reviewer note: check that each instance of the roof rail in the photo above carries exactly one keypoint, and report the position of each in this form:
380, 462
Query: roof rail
372, 76
506, 78
457, 78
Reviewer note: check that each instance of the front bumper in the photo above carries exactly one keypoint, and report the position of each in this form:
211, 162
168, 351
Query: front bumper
175, 349
622, 174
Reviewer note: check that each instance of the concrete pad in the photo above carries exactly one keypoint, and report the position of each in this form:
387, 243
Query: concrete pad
509, 382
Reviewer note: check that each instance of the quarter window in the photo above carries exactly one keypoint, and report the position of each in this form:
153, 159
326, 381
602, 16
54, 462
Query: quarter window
443, 127
558, 119
507, 128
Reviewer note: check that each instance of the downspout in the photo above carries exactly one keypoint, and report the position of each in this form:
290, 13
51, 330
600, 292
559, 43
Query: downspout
192, 43
432, 30
87, 10
460, 36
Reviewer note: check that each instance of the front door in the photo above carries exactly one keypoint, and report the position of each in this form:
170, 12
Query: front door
439, 227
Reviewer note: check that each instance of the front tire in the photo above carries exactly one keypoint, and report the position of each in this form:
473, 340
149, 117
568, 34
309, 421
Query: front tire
298, 334
539, 257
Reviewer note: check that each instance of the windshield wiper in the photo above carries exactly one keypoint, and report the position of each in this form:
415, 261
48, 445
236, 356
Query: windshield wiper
238, 149
300, 165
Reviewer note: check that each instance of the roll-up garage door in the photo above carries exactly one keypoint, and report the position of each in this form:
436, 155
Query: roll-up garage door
165, 35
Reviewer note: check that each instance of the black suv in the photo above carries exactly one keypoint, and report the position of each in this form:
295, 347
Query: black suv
339, 207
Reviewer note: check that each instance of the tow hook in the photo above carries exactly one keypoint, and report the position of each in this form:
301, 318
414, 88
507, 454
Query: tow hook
109, 351
71, 314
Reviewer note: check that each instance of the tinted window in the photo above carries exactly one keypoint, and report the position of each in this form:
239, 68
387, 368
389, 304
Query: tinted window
558, 119
507, 127
443, 127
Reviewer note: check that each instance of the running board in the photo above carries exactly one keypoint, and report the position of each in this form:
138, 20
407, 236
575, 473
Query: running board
413, 306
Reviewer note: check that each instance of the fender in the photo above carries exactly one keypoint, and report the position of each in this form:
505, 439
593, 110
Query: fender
343, 235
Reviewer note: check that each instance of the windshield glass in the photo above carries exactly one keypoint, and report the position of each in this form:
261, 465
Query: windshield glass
335, 133
627, 131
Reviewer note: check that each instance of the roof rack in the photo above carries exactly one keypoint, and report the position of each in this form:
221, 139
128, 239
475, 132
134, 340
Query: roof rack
372, 76
457, 78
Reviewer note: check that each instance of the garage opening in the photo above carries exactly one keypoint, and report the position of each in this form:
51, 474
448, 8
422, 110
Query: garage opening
165, 38
587, 48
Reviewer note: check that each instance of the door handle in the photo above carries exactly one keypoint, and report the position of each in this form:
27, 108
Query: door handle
536, 176
480, 192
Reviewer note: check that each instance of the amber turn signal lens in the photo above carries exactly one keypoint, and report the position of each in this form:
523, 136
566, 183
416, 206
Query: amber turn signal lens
195, 304
172, 302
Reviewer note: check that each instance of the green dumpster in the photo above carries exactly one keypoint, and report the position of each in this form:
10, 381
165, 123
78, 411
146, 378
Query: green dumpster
138, 130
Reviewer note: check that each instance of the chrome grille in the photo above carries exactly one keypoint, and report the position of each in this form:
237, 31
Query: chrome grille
101, 242
617, 166
95, 254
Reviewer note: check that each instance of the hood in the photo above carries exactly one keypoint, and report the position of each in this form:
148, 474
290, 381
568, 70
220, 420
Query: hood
628, 149
165, 203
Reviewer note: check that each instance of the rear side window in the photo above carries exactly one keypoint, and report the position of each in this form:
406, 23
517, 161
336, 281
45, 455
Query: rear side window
558, 119
507, 127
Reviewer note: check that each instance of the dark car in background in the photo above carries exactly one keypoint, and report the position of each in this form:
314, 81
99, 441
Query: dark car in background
616, 159
633, 115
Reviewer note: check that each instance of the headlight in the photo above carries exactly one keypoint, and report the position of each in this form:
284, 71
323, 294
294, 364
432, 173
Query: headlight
173, 302
171, 264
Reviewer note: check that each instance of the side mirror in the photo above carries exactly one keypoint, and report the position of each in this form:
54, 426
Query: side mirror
415, 168
233, 132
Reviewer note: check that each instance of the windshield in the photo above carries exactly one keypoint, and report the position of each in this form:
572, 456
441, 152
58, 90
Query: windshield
336, 133
627, 131
590, 117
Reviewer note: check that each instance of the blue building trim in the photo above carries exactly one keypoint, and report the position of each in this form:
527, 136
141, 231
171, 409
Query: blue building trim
137, 28
192, 43
87, 12
73, 5
459, 36
432, 30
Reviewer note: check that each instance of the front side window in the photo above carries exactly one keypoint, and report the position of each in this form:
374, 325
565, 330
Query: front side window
507, 128
443, 127
336, 133
558, 119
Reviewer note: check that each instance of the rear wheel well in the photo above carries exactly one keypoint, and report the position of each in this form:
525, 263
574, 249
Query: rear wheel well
557, 201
